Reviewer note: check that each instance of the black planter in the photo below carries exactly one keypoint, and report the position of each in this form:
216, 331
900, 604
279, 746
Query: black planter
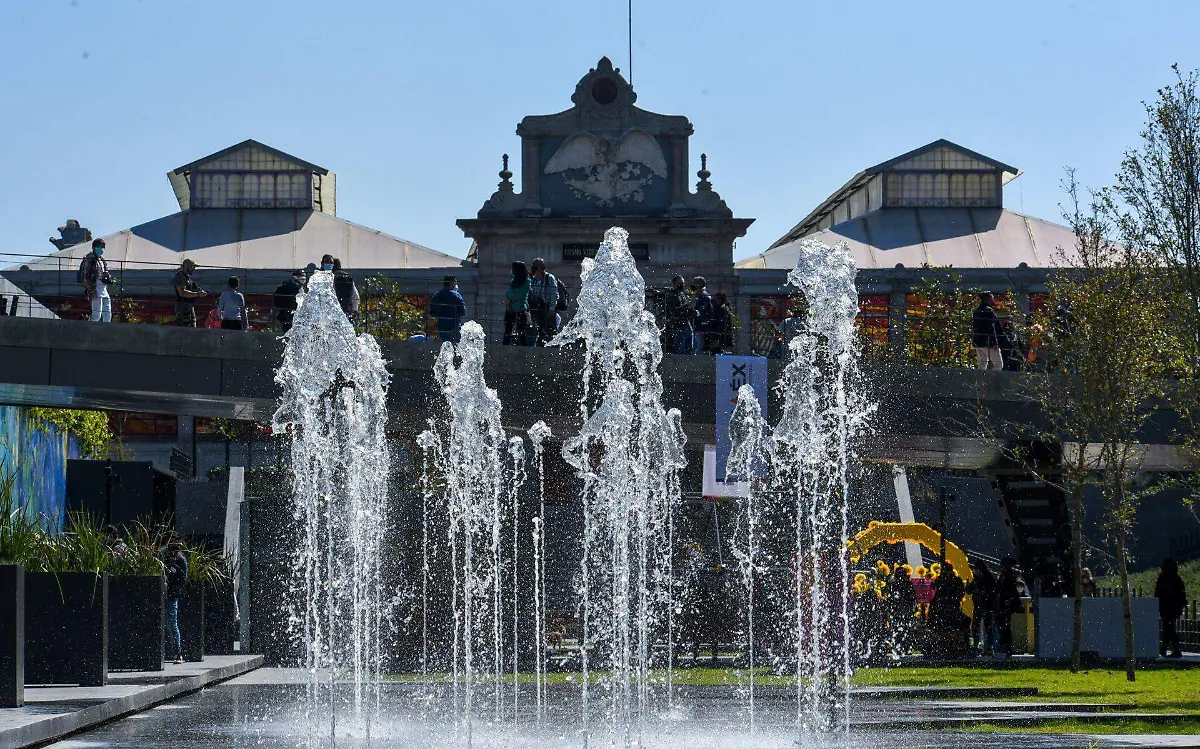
135, 623
219, 619
66, 628
12, 635
191, 622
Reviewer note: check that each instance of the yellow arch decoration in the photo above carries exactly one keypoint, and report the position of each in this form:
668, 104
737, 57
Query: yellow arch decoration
878, 532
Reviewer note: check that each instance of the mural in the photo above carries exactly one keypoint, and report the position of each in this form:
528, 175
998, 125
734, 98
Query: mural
39, 458
609, 169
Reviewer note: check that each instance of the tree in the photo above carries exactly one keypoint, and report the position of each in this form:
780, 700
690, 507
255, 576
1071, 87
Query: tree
386, 312
1111, 350
1158, 187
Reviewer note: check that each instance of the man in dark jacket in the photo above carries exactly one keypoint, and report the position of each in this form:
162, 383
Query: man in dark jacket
284, 301
347, 292
985, 333
449, 309
1007, 603
703, 305
175, 567
1172, 600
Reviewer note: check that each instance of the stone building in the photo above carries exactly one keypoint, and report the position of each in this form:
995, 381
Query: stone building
604, 162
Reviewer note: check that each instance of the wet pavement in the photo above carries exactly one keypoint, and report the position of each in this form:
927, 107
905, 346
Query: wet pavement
266, 709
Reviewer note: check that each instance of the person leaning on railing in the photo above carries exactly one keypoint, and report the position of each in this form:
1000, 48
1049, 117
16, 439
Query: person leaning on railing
187, 291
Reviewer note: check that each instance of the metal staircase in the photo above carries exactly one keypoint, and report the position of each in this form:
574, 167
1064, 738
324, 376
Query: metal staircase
1036, 515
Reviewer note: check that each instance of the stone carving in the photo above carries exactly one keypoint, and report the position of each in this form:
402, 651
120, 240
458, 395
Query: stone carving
606, 170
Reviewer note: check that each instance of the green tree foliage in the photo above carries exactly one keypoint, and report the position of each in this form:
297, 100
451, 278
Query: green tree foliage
1110, 350
90, 428
1156, 204
387, 313
939, 319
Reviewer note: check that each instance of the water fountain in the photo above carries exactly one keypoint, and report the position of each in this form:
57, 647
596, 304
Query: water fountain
626, 456
334, 409
810, 453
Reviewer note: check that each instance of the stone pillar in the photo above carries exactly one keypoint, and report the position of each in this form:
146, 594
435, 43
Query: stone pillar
12, 635
897, 327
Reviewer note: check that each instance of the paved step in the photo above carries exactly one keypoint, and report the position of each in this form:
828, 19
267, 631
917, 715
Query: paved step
53, 712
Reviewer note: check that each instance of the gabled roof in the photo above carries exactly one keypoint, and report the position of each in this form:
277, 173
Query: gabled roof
938, 237
941, 143
276, 238
865, 175
248, 143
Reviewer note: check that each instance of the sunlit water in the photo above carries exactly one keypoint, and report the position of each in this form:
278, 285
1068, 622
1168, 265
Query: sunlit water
483, 509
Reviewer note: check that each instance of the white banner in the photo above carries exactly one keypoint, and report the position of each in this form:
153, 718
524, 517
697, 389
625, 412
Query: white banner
732, 373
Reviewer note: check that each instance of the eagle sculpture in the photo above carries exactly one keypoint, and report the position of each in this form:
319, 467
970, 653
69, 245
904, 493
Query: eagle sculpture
609, 169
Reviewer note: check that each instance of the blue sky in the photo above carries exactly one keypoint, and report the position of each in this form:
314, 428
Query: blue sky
411, 104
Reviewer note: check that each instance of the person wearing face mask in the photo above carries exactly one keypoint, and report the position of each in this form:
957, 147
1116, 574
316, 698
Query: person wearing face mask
284, 301
93, 273
326, 263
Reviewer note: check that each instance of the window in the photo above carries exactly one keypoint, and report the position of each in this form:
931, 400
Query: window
914, 189
251, 189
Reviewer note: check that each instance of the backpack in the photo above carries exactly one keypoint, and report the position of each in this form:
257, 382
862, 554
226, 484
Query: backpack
564, 297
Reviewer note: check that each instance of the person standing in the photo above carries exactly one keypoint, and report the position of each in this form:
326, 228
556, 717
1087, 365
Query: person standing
703, 319
232, 308
284, 301
983, 598
93, 273
187, 291
449, 309
347, 292
1172, 600
543, 301
1089, 583
516, 306
175, 568
985, 333
1007, 603
721, 329
679, 317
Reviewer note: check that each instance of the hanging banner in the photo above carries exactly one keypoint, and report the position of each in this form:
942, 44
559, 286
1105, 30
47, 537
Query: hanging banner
713, 488
732, 373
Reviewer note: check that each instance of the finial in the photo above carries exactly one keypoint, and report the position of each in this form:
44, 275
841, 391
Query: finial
505, 176
703, 174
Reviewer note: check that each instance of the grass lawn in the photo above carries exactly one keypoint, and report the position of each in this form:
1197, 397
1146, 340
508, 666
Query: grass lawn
1189, 571
1157, 690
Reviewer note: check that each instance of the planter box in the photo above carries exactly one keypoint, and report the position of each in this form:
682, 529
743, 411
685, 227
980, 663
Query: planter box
220, 621
191, 622
66, 628
12, 635
135, 623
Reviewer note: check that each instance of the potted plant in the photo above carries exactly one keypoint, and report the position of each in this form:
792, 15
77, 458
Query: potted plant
136, 599
19, 533
207, 571
66, 606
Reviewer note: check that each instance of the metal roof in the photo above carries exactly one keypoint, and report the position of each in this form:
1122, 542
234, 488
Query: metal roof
28, 306
250, 142
280, 238
957, 237
861, 178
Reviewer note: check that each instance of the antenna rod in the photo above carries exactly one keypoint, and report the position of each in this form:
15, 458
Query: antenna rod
630, 42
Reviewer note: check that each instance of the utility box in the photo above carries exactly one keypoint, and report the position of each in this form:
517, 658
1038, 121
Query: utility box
139, 491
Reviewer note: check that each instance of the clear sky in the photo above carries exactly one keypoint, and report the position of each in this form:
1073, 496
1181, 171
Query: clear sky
412, 103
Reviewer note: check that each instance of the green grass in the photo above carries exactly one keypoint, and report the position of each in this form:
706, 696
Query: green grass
1163, 690
1189, 571
1157, 690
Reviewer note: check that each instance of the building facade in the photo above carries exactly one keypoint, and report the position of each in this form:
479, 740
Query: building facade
601, 163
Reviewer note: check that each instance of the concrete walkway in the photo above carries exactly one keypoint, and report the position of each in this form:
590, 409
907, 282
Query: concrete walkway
55, 711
